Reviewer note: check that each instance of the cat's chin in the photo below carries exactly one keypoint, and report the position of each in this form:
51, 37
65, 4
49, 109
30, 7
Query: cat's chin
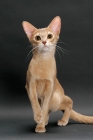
45, 50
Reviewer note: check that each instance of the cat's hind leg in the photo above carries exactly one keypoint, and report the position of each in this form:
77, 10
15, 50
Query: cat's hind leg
66, 105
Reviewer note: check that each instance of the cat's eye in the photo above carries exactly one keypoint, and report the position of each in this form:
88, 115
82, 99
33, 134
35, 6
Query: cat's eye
49, 36
37, 38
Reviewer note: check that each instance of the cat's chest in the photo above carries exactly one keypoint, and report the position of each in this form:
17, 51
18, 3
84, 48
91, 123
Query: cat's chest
42, 70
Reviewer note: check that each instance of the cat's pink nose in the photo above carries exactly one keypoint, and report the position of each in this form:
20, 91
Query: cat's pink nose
44, 42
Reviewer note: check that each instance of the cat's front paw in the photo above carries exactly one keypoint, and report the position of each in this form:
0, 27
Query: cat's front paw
38, 117
40, 128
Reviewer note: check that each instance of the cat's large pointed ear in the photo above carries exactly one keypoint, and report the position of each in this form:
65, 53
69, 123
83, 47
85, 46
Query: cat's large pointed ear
55, 25
28, 28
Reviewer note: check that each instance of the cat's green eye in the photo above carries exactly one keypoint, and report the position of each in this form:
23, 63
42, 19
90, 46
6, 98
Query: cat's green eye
37, 38
49, 36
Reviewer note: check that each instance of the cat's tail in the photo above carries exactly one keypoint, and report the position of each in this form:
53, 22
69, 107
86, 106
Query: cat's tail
81, 118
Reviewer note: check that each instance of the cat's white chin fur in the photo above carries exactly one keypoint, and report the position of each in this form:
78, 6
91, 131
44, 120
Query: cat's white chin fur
46, 48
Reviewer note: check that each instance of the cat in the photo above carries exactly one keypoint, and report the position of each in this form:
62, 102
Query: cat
44, 90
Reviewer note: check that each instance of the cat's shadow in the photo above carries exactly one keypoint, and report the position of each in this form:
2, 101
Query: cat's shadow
52, 125
28, 129
31, 128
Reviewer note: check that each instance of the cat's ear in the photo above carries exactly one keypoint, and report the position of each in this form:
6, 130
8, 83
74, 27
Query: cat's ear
28, 28
55, 25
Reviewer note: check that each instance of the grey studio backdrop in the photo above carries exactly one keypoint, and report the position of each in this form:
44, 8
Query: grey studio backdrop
74, 67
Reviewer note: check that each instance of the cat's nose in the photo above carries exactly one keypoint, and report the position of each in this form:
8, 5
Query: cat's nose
44, 42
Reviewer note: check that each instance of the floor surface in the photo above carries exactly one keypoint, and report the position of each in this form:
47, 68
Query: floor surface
16, 123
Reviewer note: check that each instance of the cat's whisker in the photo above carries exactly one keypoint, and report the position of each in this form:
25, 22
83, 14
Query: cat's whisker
62, 50
59, 54
62, 42
30, 53
28, 56
29, 46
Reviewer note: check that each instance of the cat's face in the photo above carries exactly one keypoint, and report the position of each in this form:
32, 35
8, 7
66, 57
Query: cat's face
45, 39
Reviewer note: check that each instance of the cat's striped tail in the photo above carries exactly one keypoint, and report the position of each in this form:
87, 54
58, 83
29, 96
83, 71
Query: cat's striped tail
81, 118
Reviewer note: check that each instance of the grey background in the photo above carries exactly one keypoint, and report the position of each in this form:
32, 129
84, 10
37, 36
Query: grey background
75, 69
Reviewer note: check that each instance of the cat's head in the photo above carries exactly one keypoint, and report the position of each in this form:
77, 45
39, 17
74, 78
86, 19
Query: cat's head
44, 39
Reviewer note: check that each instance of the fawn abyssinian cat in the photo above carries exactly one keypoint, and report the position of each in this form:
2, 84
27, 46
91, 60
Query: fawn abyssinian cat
43, 88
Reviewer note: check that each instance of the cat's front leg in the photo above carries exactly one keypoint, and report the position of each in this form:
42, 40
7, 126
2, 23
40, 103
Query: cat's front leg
38, 117
40, 128
46, 104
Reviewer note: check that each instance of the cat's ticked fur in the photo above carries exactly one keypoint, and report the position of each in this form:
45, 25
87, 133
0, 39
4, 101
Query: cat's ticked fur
43, 88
